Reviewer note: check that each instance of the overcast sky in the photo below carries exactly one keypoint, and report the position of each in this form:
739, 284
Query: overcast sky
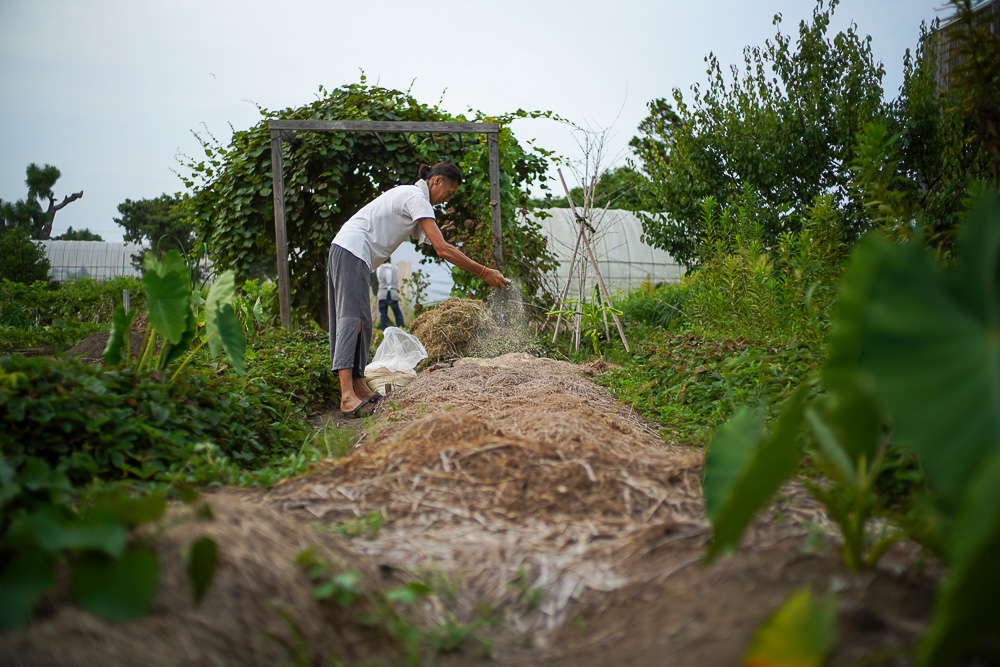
109, 91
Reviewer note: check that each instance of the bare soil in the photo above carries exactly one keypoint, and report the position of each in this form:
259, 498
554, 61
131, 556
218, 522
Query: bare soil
538, 509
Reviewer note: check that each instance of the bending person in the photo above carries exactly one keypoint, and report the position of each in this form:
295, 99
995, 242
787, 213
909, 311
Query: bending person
366, 240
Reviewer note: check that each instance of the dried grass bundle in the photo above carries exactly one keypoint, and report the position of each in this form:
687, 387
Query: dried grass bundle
446, 330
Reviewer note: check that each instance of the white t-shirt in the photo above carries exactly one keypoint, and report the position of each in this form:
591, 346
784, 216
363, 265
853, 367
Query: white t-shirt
374, 232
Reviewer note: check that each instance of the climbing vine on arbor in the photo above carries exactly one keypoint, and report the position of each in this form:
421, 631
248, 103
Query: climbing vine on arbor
330, 175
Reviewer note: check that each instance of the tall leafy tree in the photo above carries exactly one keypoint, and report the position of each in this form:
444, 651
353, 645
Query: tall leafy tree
29, 212
329, 176
615, 188
940, 139
783, 127
164, 223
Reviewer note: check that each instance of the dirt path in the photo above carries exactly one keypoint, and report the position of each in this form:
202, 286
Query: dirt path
537, 510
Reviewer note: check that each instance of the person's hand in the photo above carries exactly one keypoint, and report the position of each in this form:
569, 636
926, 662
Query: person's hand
494, 278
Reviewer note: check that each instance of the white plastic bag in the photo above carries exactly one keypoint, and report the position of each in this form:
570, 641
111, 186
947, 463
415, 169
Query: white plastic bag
398, 352
395, 361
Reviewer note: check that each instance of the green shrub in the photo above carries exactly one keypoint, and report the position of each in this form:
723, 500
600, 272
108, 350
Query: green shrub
111, 423
745, 288
295, 364
24, 260
692, 384
62, 335
84, 300
657, 305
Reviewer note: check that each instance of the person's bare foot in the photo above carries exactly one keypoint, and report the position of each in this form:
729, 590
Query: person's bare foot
361, 389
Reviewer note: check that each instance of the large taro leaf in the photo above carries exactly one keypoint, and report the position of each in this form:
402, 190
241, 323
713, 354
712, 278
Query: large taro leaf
970, 596
99, 530
801, 633
744, 467
927, 344
168, 294
202, 561
121, 325
117, 589
22, 580
172, 351
222, 327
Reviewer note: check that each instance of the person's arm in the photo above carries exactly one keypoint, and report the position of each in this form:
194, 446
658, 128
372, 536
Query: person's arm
451, 254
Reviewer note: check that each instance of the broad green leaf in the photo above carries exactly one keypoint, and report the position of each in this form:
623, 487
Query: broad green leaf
100, 531
230, 333
22, 580
408, 594
121, 326
744, 468
168, 295
968, 600
801, 633
221, 292
174, 351
202, 560
118, 590
223, 328
132, 510
36, 475
854, 417
833, 458
927, 343
171, 262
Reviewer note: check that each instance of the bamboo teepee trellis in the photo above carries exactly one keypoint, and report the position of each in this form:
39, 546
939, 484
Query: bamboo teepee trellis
584, 227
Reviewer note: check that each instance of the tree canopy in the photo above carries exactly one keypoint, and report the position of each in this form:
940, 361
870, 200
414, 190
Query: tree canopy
28, 213
940, 139
164, 223
781, 129
615, 188
329, 176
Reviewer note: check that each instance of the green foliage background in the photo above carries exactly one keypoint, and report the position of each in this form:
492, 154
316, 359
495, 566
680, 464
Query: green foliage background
329, 176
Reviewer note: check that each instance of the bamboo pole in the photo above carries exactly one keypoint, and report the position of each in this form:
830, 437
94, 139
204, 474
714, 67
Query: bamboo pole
593, 261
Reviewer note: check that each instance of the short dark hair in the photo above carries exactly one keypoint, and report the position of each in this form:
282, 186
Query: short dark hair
446, 169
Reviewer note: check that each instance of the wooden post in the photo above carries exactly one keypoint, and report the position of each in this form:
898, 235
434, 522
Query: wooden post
278, 190
493, 138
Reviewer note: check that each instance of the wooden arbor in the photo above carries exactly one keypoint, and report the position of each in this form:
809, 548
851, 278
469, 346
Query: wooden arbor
281, 129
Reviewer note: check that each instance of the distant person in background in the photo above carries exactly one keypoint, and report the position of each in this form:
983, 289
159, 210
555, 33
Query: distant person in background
388, 295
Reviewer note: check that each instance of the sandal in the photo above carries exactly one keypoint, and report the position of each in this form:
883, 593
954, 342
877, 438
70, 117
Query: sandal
359, 411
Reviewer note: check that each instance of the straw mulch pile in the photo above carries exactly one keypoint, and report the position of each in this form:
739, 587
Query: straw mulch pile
506, 470
447, 330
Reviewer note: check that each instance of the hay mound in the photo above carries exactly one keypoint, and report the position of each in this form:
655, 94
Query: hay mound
509, 469
446, 330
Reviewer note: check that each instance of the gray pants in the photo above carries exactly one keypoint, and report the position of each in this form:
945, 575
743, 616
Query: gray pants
350, 311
